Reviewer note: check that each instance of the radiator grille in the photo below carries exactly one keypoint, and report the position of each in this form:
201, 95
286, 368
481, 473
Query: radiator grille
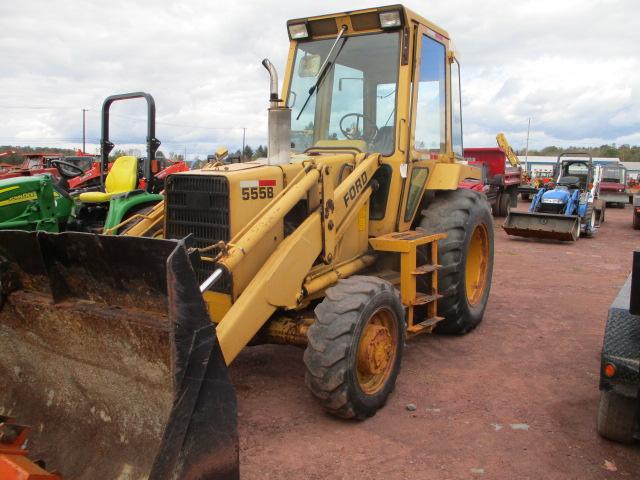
199, 205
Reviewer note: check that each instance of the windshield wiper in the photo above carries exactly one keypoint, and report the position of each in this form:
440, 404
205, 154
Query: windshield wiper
324, 69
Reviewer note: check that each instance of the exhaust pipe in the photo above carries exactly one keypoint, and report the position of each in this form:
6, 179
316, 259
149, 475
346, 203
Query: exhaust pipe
273, 85
279, 125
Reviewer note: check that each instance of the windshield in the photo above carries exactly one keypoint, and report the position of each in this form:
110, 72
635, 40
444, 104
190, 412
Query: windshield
355, 103
613, 174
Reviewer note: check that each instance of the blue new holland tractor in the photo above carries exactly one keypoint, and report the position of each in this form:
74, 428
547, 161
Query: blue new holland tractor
567, 208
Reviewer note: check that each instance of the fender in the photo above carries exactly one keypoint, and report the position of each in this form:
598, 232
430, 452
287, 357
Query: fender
621, 346
119, 207
447, 176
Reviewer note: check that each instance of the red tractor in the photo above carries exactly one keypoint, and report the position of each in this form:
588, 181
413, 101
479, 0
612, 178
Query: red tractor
33, 164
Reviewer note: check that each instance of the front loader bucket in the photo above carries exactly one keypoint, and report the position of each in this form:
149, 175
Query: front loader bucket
107, 352
542, 225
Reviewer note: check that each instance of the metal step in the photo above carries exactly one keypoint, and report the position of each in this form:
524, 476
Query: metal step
424, 298
428, 323
427, 268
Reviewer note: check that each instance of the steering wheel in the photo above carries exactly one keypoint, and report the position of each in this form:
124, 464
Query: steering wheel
64, 167
355, 133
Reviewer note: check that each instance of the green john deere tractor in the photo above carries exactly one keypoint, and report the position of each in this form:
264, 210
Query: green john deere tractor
40, 203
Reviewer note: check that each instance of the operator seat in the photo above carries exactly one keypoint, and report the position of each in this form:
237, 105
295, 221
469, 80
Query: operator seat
383, 142
122, 178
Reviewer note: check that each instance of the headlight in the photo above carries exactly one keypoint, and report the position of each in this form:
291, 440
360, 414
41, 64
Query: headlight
298, 31
552, 200
390, 19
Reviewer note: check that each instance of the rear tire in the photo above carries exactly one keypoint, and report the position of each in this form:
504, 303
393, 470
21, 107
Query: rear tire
466, 256
617, 417
355, 347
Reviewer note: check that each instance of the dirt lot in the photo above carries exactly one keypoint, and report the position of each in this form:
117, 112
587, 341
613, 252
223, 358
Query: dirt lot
516, 398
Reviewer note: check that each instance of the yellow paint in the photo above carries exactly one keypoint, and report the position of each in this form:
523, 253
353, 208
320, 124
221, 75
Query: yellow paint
406, 244
122, 177
218, 305
362, 219
447, 176
8, 189
477, 264
24, 197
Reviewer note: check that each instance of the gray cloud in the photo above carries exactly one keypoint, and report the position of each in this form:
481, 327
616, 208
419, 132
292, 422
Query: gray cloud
572, 66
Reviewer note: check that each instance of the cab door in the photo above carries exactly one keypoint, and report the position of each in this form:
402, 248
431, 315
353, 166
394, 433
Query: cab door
431, 118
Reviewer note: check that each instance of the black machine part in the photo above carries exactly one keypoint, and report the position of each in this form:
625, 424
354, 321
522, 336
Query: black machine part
152, 142
159, 376
560, 162
66, 169
569, 181
621, 346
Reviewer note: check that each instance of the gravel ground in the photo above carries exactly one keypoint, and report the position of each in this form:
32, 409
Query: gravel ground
515, 399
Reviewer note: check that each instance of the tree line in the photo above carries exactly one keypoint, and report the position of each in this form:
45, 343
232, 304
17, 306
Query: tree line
626, 153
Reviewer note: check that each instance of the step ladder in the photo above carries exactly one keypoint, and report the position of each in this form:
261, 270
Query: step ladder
406, 244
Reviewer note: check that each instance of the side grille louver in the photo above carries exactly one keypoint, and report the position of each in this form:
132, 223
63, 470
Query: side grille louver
199, 205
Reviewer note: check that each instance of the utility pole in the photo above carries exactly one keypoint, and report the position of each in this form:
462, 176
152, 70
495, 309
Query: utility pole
244, 132
84, 111
526, 153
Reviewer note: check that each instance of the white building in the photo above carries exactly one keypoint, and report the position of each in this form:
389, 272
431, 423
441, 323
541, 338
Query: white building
539, 164
633, 169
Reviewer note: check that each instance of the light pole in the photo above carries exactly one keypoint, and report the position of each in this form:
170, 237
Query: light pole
526, 152
84, 111
244, 132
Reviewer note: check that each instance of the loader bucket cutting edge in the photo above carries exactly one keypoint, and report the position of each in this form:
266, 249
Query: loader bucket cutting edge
107, 351
542, 225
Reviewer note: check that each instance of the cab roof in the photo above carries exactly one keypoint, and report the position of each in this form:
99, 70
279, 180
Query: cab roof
361, 21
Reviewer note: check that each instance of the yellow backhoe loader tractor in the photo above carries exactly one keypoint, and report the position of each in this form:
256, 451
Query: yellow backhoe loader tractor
350, 237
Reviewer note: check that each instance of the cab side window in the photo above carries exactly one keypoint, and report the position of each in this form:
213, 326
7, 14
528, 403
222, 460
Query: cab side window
430, 128
456, 110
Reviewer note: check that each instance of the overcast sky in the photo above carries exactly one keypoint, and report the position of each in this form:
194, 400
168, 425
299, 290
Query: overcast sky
573, 66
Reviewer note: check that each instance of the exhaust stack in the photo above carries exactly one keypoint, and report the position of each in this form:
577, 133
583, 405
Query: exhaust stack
279, 125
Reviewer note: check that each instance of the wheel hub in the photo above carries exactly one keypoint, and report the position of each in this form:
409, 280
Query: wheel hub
376, 350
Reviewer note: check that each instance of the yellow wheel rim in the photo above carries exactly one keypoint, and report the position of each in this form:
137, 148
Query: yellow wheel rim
477, 264
377, 351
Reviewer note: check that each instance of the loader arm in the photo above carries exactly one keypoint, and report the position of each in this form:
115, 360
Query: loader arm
504, 145
292, 260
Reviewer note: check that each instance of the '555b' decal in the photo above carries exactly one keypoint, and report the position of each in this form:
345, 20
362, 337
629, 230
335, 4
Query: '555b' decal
257, 189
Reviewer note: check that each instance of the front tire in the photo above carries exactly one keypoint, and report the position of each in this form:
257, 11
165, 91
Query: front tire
617, 417
466, 256
355, 347
590, 227
505, 204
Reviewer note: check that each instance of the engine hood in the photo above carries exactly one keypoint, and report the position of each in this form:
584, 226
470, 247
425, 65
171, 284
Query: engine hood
556, 194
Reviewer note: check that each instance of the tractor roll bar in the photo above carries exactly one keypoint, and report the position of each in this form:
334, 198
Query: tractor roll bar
556, 172
152, 142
